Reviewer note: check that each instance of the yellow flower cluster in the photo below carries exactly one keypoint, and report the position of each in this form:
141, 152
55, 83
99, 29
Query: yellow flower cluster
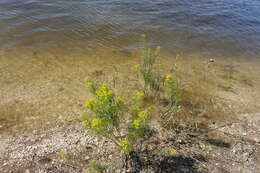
125, 146
168, 78
172, 152
143, 114
86, 123
104, 92
138, 67
96, 123
137, 123
135, 108
89, 102
139, 95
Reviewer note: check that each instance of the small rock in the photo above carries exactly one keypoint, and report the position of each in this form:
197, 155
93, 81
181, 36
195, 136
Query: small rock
86, 158
255, 139
211, 60
202, 146
179, 141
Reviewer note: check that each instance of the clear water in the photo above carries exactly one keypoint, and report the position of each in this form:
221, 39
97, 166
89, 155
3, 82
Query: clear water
47, 48
207, 27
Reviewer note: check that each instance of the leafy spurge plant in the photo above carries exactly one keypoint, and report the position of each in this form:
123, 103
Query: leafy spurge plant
172, 91
150, 75
105, 115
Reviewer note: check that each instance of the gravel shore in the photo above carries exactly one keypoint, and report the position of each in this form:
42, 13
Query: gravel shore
230, 147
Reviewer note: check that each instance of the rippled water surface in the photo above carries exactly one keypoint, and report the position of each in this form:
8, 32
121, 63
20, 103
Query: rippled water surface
219, 27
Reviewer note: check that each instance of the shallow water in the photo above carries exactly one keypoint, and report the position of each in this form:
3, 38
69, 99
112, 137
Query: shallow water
47, 47
207, 27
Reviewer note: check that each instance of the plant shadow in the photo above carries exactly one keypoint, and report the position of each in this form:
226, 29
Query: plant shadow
218, 143
177, 164
145, 162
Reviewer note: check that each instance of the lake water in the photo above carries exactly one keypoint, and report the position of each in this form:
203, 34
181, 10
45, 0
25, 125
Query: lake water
47, 48
207, 27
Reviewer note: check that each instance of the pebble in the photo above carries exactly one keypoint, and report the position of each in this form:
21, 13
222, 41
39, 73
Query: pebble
86, 158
